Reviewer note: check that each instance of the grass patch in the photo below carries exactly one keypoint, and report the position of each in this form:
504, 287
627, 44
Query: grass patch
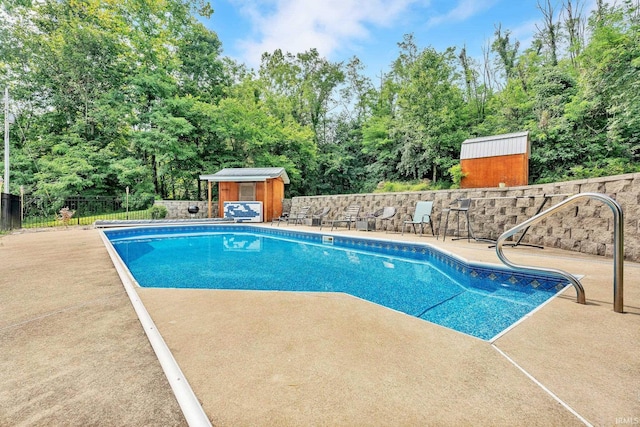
86, 220
397, 186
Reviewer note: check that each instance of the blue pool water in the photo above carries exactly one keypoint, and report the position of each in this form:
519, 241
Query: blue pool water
416, 279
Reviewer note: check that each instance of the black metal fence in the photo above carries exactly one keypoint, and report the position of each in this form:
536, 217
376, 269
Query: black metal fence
38, 211
9, 212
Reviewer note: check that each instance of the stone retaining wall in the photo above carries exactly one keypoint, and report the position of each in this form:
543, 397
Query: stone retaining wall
177, 209
585, 227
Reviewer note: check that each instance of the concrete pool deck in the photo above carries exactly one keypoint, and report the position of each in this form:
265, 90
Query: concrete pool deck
76, 354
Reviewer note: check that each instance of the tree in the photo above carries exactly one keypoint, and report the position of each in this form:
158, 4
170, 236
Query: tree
201, 73
66, 80
111, 94
507, 51
574, 28
548, 34
308, 81
100, 82
556, 146
257, 130
610, 99
478, 87
378, 142
429, 124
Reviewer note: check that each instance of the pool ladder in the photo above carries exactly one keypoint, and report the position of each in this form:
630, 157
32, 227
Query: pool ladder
618, 246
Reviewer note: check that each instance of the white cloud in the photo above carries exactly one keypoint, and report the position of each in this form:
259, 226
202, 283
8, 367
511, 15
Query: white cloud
464, 10
299, 25
524, 33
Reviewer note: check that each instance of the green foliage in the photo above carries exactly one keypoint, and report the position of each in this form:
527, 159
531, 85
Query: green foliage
141, 200
110, 95
607, 167
397, 186
456, 175
429, 129
158, 212
102, 95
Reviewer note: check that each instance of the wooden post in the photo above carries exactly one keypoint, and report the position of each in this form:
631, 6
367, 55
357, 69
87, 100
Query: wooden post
210, 206
265, 205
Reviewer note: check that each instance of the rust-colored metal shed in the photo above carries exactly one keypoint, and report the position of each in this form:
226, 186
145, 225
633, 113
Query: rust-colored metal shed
492, 161
239, 187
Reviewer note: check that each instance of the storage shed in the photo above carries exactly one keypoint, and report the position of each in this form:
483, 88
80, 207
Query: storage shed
248, 194
492, 161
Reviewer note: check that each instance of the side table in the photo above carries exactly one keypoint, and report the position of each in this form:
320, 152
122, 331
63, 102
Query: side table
366, 224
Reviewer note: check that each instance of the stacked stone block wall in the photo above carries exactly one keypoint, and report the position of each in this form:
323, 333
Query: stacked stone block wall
178, 209
586, 227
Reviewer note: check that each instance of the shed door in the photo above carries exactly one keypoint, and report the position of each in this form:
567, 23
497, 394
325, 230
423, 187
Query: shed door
247, 192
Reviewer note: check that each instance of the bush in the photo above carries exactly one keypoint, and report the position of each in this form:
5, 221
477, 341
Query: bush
158, 212
605, 167
138, 201
441, 185
397, 187
456, 175
608, 167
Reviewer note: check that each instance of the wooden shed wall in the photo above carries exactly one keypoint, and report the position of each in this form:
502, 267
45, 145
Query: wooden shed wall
269, 192
482, 172
227, 192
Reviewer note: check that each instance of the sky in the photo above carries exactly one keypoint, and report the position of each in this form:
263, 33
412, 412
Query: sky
368, 29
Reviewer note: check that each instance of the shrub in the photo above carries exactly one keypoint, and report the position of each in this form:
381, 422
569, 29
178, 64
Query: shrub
608, 167
456, 175
158, 212
397, 187
138, 201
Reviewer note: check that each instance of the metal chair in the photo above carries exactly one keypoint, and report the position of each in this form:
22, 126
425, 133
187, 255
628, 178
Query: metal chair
422, 216
388, 212
350, 215
457, 206
318, 216
300, 216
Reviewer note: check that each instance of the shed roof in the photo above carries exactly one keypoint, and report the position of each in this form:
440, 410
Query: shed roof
496, 145
247, 175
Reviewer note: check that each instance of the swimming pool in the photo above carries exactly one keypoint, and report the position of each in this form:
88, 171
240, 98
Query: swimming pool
477, 299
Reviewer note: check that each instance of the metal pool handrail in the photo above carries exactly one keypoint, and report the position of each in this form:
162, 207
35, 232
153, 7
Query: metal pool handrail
618, 246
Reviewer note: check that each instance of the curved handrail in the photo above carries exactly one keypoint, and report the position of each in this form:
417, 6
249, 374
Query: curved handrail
618, 247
